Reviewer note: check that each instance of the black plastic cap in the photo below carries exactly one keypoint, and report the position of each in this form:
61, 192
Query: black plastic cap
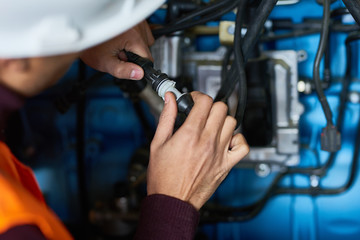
185, 104
330, 139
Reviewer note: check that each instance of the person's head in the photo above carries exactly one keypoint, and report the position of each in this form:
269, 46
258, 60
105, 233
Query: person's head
30, 76
41, 38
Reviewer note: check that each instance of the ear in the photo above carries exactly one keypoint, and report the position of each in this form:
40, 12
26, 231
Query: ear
15, 65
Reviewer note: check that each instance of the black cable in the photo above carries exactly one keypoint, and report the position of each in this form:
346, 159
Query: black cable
306, 32
225, 62
287, 24
327, 60
308, 27
206, 18
327, 63
208, 9
240, 65
227, 85
316, 71
253, 32
339, 12
344, 27
292, 34
354, 8
257, 23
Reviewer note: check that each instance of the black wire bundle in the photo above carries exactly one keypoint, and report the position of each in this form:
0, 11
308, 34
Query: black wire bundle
202, 15
242, 48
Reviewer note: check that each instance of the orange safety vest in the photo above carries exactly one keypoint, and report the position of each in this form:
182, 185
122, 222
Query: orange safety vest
21, 201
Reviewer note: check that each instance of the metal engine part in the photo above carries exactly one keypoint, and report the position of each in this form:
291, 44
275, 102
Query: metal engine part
205, 67
166, 52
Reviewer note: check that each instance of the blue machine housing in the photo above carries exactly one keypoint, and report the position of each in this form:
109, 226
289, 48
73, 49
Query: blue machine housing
113, 132
302, 216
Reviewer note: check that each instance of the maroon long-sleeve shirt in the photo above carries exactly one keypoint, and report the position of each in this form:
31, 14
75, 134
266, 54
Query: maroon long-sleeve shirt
162, 217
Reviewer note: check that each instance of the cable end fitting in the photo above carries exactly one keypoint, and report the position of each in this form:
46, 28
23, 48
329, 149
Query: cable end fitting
330, 139
185, 103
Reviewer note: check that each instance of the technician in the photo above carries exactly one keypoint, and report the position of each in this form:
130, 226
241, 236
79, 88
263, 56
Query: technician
39, 39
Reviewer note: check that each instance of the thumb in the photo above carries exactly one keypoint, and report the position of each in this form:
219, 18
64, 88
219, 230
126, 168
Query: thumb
167, 120
124, 70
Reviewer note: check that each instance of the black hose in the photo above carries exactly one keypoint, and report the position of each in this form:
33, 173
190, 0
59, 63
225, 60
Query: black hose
225, 62
240, 65
254, 31
316, 71
184, 25
339, 12
255, 26
354, 9
227, 85
292, 34
305, 32
327, 63
208, 9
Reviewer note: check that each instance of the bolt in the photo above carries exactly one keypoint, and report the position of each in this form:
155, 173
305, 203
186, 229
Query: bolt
187, 41
301, 86
314, 181
354, 97
262, 170
302, 55
231, 29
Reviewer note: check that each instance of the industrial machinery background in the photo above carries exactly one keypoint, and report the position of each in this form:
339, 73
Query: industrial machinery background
289, 71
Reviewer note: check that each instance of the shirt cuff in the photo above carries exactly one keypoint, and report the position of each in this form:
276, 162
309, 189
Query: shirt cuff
165, 217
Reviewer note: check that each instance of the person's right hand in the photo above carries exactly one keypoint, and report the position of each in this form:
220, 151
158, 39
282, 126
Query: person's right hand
191, 163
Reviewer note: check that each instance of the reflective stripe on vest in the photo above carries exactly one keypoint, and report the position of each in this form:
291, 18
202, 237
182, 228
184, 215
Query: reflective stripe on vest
21, 202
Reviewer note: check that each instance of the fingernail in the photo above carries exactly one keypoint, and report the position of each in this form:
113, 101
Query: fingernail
135, 74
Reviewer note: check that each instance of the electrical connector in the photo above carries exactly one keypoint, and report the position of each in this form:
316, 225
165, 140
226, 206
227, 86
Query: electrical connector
161, 83
330, 139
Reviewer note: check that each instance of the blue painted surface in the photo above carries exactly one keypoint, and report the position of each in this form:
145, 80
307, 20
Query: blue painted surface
303, 217
113, 132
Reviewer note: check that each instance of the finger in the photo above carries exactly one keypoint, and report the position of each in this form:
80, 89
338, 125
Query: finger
167, 120
149, 35
200, 111
217, 118
124, 70
238, 149
140, 48
227, 133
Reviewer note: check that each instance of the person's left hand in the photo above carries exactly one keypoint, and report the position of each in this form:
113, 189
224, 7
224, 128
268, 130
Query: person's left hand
109, 56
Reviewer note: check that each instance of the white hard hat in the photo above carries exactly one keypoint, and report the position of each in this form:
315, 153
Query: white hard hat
30, 28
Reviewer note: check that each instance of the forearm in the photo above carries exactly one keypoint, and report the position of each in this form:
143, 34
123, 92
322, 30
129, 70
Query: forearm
164, 217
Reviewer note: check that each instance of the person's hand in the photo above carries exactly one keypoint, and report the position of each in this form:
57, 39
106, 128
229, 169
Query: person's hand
109, 56
191, 163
